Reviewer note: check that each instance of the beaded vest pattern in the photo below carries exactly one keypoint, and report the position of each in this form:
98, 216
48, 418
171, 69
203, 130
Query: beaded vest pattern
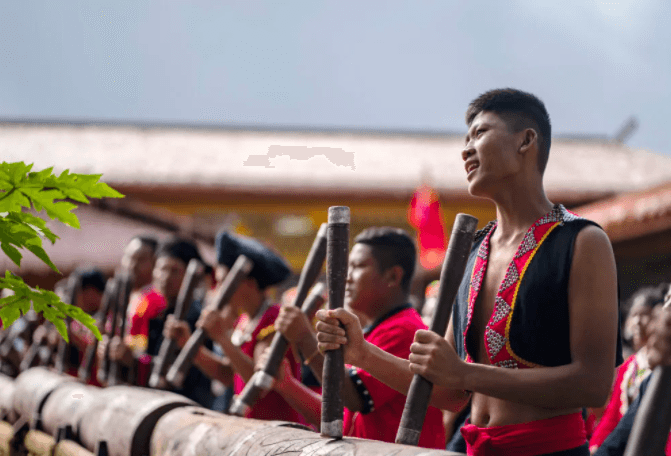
497, 331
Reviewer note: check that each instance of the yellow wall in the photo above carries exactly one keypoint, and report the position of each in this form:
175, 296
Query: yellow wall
259, 218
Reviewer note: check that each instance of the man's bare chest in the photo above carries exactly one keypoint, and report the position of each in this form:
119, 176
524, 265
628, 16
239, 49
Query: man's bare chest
494, 275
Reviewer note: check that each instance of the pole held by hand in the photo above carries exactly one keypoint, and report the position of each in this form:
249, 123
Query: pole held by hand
238, 272
262, 380
454, 265
194, 274
334, 362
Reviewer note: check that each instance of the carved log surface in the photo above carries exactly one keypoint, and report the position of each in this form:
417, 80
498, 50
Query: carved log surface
191, 431
140, 421
67, 404
125, 417
7, 398
32, 388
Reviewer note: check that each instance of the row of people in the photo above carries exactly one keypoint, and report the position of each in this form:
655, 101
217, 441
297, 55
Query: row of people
533, 340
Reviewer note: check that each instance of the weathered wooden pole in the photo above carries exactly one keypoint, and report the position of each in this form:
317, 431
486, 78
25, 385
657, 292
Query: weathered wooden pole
454, 265
262, 380
104, 364
63, 360
334, 363
194, 274
125, 287
177, 373
109, 296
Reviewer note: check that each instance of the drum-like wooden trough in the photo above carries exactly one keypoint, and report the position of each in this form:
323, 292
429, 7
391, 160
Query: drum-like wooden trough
67, 405
193, 431
32, 388
124, 417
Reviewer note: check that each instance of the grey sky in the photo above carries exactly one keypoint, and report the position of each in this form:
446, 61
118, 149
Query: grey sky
371, 64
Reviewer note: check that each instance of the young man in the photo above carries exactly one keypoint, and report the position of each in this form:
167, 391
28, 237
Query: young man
381, 265
146, 322
635, 369
244, 329
534, 331
89, 299
658, 346
139, 258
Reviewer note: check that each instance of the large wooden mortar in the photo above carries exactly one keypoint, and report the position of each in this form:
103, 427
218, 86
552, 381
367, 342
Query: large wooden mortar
67, 405
124, 417
32, 387
194, 431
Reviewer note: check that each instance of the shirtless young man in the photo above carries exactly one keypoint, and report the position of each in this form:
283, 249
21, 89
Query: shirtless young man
534, 331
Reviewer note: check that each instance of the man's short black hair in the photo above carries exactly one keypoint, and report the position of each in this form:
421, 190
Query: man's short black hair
179, 248
391, 247
519, 110
149, 241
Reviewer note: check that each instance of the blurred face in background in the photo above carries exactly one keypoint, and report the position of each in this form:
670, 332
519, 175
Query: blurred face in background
638, 322
89, 299
366, 287
168, 275
244, 296
138, 259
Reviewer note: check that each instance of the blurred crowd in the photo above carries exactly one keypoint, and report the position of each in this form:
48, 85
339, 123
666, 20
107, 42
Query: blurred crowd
170, 293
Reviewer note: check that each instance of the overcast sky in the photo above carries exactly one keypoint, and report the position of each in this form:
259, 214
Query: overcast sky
369, 64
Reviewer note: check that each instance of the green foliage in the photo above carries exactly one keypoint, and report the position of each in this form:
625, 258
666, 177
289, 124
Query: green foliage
21, 190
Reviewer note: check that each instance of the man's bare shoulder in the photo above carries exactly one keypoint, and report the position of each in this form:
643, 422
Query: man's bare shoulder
593, 241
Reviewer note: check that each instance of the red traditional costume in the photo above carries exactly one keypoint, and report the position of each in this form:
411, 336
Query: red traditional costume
628, 380
272, 406
144, 307
383, 406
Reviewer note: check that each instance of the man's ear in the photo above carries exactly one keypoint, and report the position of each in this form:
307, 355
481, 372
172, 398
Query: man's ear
394, 276
529, 140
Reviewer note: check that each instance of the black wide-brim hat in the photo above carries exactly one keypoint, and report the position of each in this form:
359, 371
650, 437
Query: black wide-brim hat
269, 268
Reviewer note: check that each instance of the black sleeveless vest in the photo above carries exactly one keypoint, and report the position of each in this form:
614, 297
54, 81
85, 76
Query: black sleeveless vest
537, 318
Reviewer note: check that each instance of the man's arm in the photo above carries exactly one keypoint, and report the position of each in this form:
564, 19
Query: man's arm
296, 328
301, 398
389, 369
586, 381
209, 363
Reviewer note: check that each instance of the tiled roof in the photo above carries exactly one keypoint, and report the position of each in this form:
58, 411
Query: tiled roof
632, 215
300, 160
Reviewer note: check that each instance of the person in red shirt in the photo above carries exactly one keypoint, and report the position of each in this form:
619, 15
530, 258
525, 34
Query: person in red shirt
245, 327
381, 265
631, 374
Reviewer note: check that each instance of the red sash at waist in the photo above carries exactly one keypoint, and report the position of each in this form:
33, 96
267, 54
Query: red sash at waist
559, 433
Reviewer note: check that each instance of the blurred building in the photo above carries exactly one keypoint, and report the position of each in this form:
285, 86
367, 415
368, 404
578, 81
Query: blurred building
277, 184
639, 226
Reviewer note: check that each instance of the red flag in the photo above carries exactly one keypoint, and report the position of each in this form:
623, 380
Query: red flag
424, 215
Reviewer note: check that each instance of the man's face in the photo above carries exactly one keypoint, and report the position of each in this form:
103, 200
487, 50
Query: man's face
365, 285
490, 154
168, 275
89, 299
638, 322
237, 301
138, 259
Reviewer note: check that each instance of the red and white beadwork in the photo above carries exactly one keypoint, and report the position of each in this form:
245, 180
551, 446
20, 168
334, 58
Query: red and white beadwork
497, 331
